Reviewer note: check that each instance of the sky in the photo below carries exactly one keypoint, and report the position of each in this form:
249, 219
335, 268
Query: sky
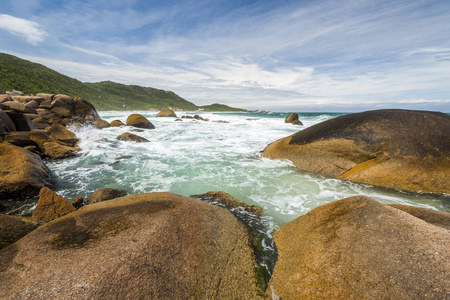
279, 55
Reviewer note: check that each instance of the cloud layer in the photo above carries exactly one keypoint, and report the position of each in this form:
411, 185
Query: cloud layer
296, 55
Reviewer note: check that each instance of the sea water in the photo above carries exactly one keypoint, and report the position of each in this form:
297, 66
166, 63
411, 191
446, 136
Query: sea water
192, 157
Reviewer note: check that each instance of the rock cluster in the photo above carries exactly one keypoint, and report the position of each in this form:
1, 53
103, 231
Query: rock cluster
293, 118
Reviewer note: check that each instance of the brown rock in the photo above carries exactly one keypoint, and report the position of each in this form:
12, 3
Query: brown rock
6, 122
47, 104
291, 118
400, 149
64, 101
84, 108
105, 194
100, 124
21, 121
49, 146
38, 100
18, 138
437, 218
229, 201
48, 97
148, 246
22, 174
129, 137
139, 121
33, 104
18, 107
40, 123
297, 122
32, 116
23, 99
167, 113
78, 202
358, 248
117, 123
51, 206
43, 112
5, 98
63, 135
61, 111
13, 229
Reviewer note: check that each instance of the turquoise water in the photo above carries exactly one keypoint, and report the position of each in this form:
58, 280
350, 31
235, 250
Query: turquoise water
194, 157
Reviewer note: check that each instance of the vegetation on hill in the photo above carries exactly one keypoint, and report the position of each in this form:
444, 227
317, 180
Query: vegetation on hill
32, 78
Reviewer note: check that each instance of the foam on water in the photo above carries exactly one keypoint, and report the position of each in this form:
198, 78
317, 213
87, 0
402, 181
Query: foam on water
194, 157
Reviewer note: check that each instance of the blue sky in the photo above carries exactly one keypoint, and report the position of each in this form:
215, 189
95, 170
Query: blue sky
304, 55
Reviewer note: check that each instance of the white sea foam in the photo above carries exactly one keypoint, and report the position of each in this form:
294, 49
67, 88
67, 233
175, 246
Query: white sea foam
193, 157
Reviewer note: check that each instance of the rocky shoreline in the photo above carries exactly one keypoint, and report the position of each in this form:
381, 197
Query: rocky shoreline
162, 245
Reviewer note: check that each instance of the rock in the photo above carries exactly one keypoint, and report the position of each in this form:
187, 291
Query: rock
117, 123
21, 121
15, 93
32, 116
401, 149
78, 202
64, 101
229, 201
129, 137
33, 104
38, 100
65, 122
437, 218
2, 130
23, 99
13, 229
100, 124
105, 194
48, 97
51, 206
19, 107
358, 248
187, 117
22, 174
63, 135
6, 122
18, 138
137, 130
197, 117
148, 246
84, 108
139, 121
47, 104
178, 120
43, 112
291, 118
166, 113
61, 111
49, 146
297, 122
40, 123
5, 98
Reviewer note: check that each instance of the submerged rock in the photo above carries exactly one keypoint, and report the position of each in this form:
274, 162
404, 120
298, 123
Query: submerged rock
100, 124
129, 137
22, 173
105, 194
167, 113
358, 248
51, 206
399, 149
229, 201
148, 246
139, 121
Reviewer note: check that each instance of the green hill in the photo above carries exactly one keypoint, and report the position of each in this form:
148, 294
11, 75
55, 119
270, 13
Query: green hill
32, 78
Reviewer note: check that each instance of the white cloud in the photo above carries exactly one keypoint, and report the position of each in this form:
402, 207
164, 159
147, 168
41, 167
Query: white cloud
29, 30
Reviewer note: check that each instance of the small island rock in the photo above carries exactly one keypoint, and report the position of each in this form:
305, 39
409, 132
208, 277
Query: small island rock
167, 113
139, 121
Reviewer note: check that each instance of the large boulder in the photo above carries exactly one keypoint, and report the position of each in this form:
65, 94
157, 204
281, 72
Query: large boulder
84, 108
167, 113
139, 121
358, 248
45, 96
49, 146
51, 206
22, 173
14, 228
5, 98
129, 137
100, 124
117, 123
400, 149
105, 194
148, 246
19, 107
